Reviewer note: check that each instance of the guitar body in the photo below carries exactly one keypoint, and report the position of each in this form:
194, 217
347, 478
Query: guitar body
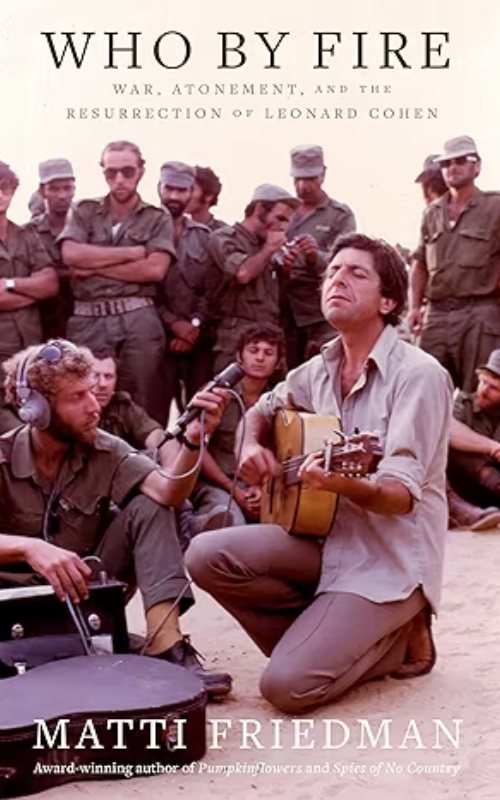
298, 508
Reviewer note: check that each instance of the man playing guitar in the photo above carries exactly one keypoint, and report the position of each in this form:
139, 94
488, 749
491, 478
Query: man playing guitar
358, 607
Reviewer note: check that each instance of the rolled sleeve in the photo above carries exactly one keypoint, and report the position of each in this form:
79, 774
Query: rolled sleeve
161, 237
37, 254
227, 253
129, 474
419, 420
76, 227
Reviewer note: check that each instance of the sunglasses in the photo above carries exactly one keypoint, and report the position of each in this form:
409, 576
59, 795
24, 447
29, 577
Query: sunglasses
110, 173
460, 161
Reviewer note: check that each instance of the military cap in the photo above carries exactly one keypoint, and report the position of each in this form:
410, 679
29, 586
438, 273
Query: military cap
268, 193
307, 161
493, 364
431, 165
459, 146
177, 174
55, 169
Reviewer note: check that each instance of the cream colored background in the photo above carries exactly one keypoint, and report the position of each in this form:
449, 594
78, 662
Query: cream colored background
371, 164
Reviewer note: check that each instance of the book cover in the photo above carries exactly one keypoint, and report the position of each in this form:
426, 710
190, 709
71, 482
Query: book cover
379, 87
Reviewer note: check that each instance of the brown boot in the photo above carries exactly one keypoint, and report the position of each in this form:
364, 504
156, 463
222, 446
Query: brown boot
464, 515
420, 654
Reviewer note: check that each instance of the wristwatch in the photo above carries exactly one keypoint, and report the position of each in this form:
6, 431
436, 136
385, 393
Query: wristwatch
10, 284
196, 322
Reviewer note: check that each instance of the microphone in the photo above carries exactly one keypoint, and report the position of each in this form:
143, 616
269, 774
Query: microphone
226, 379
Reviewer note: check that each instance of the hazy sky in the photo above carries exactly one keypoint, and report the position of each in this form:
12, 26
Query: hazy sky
372, 163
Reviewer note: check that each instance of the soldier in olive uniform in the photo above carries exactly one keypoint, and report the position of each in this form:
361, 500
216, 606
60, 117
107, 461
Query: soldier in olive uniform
26, 278
59, 476
57, 188
206, 191
244, 254
312, 230
186, 289
118, 249
457, 267
119, 414
431, 179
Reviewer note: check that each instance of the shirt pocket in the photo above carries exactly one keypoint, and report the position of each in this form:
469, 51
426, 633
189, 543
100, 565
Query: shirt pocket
473, 247
78, 522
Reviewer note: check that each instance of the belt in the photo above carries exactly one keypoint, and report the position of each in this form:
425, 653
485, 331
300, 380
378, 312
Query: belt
455, 303
111, 307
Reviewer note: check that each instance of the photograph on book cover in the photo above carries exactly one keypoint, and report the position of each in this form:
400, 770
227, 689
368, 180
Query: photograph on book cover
379, 87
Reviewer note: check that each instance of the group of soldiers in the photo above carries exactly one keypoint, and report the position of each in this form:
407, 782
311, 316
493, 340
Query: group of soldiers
120, 273
168, 290
141, 304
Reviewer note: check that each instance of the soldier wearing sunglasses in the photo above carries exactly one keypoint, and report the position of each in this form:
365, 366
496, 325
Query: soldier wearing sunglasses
118, 249
457, 268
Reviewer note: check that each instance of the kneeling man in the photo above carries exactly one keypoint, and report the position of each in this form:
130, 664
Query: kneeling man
358, 607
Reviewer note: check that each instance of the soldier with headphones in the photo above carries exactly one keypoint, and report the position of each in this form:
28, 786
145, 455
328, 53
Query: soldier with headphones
58, 475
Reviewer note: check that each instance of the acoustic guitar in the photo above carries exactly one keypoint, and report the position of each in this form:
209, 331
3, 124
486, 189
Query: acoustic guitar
296, 506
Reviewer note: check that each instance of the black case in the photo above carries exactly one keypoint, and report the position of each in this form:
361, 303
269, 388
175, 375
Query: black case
99, 688
46, 630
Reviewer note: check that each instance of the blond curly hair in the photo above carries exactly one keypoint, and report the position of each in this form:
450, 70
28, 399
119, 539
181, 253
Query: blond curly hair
43, 375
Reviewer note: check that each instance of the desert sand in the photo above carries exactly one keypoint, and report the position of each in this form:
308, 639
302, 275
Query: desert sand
462, 686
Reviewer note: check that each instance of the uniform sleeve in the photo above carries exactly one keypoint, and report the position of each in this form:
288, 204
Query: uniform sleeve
141, 425
161, 235
227, 253
129, 467
348, 222
419, 424
419, 253
37, 254
77, 226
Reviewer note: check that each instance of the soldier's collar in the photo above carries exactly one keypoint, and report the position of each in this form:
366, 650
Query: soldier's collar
22, 459
105, 204
23, 462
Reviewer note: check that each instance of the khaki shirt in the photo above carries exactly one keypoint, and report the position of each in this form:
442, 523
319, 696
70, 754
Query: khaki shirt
324, 223
462, 259
50, 241
466, 410
90, 222
124, 418
404, 395
255, 301
23, 255
192, 279
77, 506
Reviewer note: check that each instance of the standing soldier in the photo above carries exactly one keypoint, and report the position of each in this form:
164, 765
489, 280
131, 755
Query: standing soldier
186, 289
245, 254
315, 225
57, 188
26, 277
431, 180
457, 267
118, 249
206, 191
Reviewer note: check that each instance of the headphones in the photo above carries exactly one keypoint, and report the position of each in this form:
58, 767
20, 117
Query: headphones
34, 408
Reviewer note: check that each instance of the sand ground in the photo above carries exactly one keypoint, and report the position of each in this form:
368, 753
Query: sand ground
463, 685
